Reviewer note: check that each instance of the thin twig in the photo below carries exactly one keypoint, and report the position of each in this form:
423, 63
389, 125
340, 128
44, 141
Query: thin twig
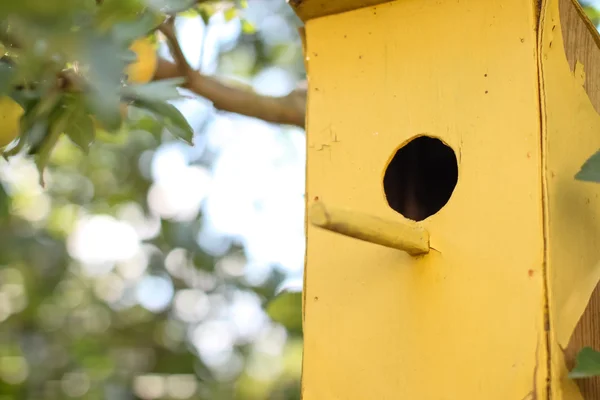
289, 109
167, 28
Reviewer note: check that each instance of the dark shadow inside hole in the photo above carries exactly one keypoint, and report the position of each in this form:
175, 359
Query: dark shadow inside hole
421, 177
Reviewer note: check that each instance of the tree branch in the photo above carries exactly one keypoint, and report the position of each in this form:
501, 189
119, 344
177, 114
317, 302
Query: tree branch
288, 110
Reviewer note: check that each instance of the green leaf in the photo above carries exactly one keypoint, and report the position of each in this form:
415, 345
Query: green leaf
5, 203
7, 74
204, 14
24, 97
80, 127
105, 107
170, 6
162, 90
230, 13
36, 135
33, 124
247, 27
286, 309
111, 12
47, 104
105, 62
587, 364
126, 32
47, 112
590, 171
55, 127
128, 56
191, 13
170, 117
41, 10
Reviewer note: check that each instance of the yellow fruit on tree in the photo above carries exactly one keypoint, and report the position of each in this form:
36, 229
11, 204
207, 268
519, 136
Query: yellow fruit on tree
10, 119
142, 70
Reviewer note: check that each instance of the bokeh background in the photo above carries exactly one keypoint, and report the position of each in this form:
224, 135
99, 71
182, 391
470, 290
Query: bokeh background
145, 268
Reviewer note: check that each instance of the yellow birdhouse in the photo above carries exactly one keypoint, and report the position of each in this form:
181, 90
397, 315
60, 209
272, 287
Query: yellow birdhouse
451, 254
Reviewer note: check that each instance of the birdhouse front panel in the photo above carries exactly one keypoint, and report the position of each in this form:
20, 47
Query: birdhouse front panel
426, 111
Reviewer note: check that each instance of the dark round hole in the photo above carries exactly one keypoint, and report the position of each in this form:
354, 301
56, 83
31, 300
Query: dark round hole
420, 178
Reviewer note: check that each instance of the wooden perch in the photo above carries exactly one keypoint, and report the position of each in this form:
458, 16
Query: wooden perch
402, 235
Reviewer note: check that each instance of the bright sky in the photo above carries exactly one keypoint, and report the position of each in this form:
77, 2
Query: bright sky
253, 195
594, 3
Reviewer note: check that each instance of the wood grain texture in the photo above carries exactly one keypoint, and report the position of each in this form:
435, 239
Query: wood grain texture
581, 44
587, 333
309, 9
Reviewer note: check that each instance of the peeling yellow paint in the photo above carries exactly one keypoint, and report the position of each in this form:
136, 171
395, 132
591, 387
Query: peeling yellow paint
571, 127
579, 73
575, 298
563, 388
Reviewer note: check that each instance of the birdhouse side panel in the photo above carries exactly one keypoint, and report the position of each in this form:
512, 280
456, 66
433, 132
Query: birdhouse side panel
467, 319
570, 65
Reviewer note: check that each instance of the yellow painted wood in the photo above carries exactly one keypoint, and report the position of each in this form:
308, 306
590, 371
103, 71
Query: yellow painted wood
400, 234
466, 321
309, 9
571, 127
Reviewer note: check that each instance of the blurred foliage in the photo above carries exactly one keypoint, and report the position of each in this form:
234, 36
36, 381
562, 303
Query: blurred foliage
73, 327
587, 364
592, 12
286, 309
64, 62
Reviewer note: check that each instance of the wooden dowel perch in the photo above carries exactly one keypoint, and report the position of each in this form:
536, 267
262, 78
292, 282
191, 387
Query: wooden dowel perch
403, 235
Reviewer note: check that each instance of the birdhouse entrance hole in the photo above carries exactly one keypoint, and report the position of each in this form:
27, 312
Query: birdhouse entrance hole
420, 178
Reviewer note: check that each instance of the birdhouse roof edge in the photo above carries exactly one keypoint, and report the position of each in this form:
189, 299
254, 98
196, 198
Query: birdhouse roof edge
311, 9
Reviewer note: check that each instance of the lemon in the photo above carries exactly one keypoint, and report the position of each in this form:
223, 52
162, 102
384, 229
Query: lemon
10, 119
142, 70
